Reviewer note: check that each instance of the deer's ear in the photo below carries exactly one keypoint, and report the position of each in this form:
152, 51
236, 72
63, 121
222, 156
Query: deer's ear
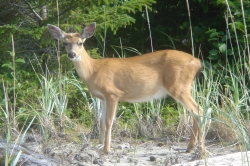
89, 30
56, 32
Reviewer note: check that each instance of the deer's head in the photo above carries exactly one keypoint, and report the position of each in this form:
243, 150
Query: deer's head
73, 42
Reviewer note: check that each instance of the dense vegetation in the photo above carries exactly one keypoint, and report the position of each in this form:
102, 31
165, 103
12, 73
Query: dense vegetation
38, 83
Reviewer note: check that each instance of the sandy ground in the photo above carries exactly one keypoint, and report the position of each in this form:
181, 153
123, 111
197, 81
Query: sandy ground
234, 159
165, 155
140, 153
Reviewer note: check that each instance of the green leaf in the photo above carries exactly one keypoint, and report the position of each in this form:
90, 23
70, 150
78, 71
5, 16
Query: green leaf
213, 34
11, 53
229, 52
212, 39
222, 47
239, 26
8, 65
19, 60
106, 2
184, 25
213, 55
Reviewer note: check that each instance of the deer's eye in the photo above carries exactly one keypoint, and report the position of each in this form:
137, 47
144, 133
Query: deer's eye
80, 44
65, 44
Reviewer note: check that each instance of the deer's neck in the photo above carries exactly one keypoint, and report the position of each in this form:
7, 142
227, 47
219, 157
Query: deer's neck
84, 66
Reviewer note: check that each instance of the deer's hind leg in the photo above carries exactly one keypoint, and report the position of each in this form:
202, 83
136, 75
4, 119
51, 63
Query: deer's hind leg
186, 99
197, 112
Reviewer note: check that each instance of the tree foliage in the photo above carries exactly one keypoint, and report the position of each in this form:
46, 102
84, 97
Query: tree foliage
27, 20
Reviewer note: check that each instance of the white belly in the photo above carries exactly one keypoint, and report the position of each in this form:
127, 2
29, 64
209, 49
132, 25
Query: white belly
138, 97
161, 93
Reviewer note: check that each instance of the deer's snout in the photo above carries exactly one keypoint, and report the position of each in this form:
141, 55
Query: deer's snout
71, 55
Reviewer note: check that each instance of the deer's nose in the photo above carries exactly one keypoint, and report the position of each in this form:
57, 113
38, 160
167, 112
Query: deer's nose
71, 55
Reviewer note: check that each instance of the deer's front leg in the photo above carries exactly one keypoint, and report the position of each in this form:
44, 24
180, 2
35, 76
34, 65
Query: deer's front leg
111, 104
102, 122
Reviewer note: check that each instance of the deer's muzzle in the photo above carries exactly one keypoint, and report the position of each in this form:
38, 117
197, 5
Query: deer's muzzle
71, 55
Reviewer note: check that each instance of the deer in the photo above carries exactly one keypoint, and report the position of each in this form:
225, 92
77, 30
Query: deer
139, 78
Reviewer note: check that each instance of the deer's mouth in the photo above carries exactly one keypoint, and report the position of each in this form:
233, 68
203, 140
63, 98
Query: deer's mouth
74, 58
